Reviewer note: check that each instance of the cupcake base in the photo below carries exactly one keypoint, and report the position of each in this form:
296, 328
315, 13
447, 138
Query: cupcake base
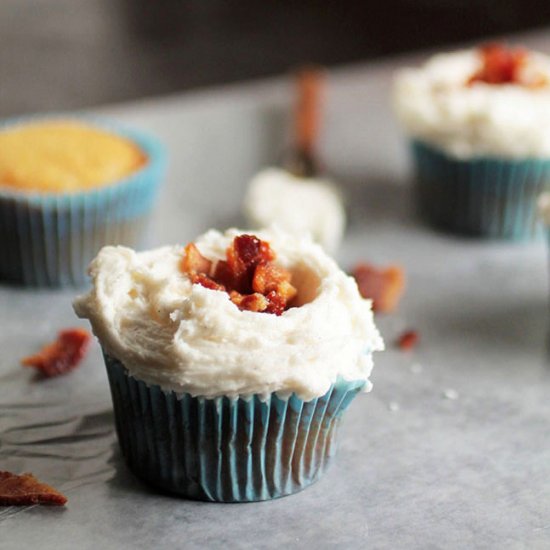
225, 450
481, 197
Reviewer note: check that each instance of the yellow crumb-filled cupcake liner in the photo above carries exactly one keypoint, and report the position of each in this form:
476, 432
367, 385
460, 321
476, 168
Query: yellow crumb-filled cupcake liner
48, 239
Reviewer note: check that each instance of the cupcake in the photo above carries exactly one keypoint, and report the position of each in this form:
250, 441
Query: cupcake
67, 188
230, 361
479, 123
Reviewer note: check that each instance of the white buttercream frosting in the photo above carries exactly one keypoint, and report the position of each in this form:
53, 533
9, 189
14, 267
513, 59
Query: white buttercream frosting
300, 206
436, 105
187, 338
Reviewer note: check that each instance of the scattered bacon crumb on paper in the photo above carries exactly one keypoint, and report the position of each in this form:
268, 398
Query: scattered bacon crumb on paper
408, 340
61, 356
384, 286
25, 489
248, 275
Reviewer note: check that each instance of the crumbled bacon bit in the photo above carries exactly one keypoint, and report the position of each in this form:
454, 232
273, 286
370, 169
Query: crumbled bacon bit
268, 277
194, 262
408, 340
383, 286
253, 282
62, 355
276, 303
249, 302
224, 274
205, 281
504, 65
25, 489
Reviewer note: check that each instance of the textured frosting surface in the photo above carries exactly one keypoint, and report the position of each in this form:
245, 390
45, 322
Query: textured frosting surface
301, 206
188, 338
64, 156
436, 105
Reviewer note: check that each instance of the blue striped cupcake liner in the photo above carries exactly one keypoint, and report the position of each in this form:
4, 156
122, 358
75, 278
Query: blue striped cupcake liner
225, 450
482, 197
48, 239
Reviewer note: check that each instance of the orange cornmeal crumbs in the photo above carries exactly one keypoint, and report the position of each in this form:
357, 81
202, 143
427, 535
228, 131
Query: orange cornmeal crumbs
383, 286
504, 65
408, 340
62, 355
25, 489
248, 274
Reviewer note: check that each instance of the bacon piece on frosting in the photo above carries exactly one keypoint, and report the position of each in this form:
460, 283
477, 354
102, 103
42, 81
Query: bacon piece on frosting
194, 262
248, 275
25, 489
62, 355
505, 65
268, 277
276, 303
205, 281
383, 286
249, 302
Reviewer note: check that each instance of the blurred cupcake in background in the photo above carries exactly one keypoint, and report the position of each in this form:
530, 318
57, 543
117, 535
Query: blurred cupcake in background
67, 188
296, 197
479, 123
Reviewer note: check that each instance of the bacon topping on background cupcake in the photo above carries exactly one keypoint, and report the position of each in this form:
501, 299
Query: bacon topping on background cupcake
505, 65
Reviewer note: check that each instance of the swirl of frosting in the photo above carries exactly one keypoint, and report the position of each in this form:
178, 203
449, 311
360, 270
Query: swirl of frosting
187, 338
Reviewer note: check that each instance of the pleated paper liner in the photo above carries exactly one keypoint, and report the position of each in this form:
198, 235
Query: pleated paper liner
221, 449
482, 197
48, 239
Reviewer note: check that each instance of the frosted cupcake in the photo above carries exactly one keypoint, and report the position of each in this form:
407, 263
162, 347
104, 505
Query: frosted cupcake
67, 188
479, 121
230, 361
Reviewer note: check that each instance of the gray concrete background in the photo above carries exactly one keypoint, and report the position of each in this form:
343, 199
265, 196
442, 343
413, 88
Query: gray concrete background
470, 472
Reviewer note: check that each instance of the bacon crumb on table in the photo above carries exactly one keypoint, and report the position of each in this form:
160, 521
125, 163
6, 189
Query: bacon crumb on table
25, 489
383, 286
61, 356
248, 275
408, 340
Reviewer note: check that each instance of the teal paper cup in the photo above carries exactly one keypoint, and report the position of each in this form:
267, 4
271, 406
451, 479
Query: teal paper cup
225, 450
484, 197
48, 239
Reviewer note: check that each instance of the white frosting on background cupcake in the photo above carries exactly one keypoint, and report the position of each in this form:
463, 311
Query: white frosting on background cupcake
188, 338
301, 206
436, 105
